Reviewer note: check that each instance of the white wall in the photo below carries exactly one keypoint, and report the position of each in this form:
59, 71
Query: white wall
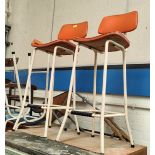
33, 19
29, 19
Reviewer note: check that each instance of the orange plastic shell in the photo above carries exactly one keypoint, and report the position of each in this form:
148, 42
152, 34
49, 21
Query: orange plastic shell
73, 31
122, 23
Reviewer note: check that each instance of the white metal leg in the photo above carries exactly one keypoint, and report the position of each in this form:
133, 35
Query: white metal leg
125, 98
25, 94
69, 94
29, 61
17, 77
74, 101
7, 106
94, 91
29, 56
47, 78
46, 92
103, 96
50, 94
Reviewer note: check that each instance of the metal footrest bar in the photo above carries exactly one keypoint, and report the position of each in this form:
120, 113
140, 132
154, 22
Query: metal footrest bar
81, 113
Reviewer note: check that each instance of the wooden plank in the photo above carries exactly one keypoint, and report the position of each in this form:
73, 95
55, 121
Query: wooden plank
84, 141
35, 145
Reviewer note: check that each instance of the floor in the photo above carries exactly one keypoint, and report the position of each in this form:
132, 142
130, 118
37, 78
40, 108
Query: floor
11, 151
84, 141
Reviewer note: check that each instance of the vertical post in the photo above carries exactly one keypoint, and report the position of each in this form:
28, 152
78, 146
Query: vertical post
74, 100
125, 97
94, 91
50, 94
104, 96
69, 94
26, 91
47, 81
30, 99
17, 77
47, 78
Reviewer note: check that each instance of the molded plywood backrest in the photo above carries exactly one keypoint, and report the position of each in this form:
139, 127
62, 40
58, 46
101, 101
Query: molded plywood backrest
122, 23
73, 31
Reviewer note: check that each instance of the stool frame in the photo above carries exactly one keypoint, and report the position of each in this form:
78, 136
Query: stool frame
48, 106
102, 111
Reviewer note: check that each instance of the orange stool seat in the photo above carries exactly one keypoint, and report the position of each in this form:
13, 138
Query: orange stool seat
49, 47
98, 42
67, 32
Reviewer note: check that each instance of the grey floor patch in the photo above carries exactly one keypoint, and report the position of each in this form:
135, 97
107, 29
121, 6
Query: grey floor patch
35, 145
11, 151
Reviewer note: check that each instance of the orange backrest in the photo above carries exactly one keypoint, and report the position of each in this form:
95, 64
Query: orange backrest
73, 31
123, 23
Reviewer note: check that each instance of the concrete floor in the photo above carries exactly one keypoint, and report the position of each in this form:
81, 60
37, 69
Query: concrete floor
11, 151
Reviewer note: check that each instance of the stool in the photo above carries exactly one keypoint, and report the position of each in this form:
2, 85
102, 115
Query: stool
60, 47
112, 38
12, 62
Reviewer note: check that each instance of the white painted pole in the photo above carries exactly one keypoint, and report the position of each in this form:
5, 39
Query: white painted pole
74, 101
29, 57
104, 96
125, 98
94, 91
17, 77
47, 78
46, 92
69, 94
50, 94
25, 94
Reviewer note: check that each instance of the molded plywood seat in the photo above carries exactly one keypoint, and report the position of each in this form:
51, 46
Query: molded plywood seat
112, 28
49, 47
98, 42
67, 32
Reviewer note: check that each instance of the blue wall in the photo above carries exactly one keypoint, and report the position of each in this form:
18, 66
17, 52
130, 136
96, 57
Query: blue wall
138, 80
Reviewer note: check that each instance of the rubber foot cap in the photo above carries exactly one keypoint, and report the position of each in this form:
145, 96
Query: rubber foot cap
78, 133
13, 130
132, 146
65, 129
49, 126
92, 135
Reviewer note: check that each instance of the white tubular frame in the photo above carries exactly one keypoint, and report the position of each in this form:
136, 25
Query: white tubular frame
25, 94
102, 113
50, 94
74, 100
23, 113
19, 91
47, 78
94, 91
29, 88
69, 94
103, 96
46, 92
17, 77
125, 98
50, 105
29, 57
